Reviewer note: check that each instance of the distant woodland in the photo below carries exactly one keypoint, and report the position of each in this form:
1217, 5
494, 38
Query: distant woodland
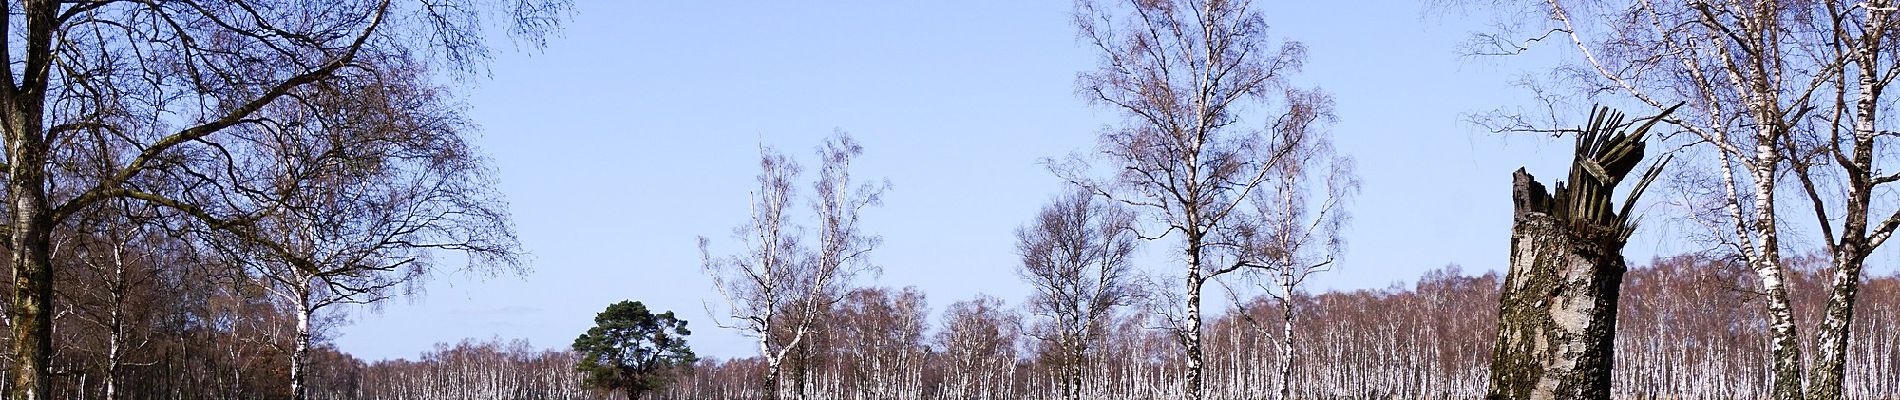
1687, 331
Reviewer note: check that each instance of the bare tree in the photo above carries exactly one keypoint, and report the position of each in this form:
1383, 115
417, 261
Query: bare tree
1679, 336
1076, 255
977, 339
1837, 162
881, 342
122, 252
155, 77
1296, 226
778, 287
347, 194
1188, 76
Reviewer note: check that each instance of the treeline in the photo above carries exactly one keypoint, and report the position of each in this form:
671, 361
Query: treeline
142, 314
1685, 331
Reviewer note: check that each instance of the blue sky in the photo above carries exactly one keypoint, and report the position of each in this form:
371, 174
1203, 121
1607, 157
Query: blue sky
638, 129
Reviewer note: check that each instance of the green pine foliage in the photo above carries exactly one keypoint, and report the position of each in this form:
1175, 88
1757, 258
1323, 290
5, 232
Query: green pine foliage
632, 350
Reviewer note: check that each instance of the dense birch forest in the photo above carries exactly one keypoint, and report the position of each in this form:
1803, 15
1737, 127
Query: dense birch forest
1682, 335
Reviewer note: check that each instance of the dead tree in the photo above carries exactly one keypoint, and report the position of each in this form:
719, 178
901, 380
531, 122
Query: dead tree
1557, 323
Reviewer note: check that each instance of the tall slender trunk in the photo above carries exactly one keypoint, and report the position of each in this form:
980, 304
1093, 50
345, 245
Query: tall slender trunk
300, 351
112, 357
115, 323
801, 376
1078, 350
1286, 338
1784, 337
1191, 337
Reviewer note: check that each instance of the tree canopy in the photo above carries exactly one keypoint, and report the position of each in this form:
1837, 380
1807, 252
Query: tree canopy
633, 350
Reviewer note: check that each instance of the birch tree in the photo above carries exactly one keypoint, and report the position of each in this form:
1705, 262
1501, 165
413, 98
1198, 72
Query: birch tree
1194, 82
1297, 221
348, 196
779, 285
1838, 162
1076, 255
881, 342
157, 77
977, 340
122, 251
1679, 335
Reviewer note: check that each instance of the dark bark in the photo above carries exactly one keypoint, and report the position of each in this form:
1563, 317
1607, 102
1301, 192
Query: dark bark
1830, 369
771, 380
1855, 243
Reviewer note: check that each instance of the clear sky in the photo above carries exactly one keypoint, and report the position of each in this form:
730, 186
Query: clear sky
638, 130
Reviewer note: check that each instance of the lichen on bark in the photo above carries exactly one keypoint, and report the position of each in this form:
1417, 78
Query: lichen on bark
1557, 321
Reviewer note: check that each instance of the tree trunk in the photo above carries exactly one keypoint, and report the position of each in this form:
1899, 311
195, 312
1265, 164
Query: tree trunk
32, 253
1557, 324
1557, 316
116, 332
771, 379
1191, 337
1850, 255
801, 375
32, 219
1286, 341
1830, 364
300, 353
1078, 349
1784, 337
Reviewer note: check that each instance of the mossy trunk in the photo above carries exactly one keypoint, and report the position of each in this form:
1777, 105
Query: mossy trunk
1557, 325
1557, 316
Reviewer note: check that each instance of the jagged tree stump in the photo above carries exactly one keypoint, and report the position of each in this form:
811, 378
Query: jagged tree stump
1557, 324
